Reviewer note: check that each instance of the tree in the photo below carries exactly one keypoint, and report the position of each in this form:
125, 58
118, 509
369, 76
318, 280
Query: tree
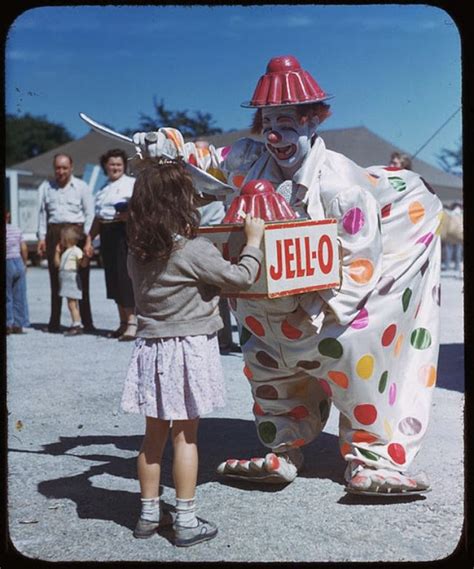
190, 126
27, 136
451, 160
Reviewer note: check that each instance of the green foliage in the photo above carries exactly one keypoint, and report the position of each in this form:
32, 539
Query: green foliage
451, 160
191, 126
27, 136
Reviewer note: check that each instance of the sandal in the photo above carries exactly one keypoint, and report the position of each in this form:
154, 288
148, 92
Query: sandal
117, 333
128, 337
381, 481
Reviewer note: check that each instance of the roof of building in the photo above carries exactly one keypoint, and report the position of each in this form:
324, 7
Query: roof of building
359, 144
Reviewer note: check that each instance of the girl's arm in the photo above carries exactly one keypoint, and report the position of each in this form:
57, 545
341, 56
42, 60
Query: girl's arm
57, 255
93, 232
209, 265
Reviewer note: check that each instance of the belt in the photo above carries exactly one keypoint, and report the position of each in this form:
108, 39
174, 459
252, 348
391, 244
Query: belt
66, 223
108, 221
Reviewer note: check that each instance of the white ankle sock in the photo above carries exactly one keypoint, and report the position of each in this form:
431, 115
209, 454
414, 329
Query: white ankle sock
186, 513
150, 509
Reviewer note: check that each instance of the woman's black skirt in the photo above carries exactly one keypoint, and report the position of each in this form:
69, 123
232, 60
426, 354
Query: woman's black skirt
114, 249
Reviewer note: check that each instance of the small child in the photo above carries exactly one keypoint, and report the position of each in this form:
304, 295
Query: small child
68, 259
15, 281
175, 372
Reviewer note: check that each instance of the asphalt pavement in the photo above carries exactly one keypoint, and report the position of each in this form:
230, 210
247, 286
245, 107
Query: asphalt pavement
73, 493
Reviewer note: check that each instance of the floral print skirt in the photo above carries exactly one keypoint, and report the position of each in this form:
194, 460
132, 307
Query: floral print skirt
174, 378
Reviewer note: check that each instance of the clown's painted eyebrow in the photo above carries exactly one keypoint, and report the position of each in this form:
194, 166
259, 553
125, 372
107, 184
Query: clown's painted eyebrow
284, 118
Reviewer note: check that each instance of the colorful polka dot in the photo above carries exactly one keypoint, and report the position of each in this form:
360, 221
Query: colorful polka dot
257, 410
266, 360
365, 366
237, 180
388, 428
388, 335
392, 394
396, 453
339, 378
290, 331
368, 454
345, 448
225, 150
330, 347
245, 335
325, 387
406, 297
298, 443
409, 426
255, 326
353, 221
361, 271
383, 382
385, 211
398, 345
427, 375
267, 431
397, 183
363, 302
420, 339
425, 265
384, 285
426, 239
248, 372
306, 364
363, 437
299, 412
266, 392
416, 212
300, 390
361, 320
365, 414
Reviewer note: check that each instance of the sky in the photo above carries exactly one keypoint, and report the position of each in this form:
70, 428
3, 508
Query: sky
395, 69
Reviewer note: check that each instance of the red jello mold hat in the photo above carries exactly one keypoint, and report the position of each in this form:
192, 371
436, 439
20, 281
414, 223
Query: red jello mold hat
258, 197
285, 83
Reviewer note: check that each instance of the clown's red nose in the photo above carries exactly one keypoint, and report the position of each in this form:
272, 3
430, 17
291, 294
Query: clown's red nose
273, 137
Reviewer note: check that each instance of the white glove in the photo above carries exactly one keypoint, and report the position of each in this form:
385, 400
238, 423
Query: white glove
153, 144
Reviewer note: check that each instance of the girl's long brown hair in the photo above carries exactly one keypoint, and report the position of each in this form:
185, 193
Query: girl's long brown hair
162, 206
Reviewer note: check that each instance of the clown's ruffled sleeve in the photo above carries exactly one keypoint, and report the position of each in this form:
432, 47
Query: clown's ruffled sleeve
360, 238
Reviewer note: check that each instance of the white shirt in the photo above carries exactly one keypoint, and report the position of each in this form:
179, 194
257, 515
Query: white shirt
72, 204
111, 193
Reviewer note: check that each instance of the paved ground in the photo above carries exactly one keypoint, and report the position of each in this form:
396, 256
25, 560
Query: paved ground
72, 488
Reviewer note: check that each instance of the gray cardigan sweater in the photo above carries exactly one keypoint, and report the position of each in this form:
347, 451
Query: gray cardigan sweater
180, 297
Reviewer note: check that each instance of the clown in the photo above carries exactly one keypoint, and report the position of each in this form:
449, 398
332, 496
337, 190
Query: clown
371, 346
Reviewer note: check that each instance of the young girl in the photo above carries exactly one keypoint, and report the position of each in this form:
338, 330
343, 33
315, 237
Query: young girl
68, 259
175, 373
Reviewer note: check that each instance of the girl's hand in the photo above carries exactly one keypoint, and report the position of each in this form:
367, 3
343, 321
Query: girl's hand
59, 249
254, 228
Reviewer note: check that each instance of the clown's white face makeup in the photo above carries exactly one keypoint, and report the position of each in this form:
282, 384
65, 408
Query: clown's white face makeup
288, 141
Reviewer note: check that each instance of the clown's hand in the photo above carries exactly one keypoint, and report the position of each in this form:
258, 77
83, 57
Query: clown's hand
153, 144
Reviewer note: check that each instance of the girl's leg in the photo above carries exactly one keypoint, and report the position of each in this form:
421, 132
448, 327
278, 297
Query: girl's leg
149, 473
73, 305
149, 458
185, 461
189, 529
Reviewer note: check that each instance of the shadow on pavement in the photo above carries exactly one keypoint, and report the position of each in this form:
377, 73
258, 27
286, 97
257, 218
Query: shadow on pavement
451, 367
219, 439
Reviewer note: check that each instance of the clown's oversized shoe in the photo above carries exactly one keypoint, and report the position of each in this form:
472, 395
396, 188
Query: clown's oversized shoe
280, 468
383, 482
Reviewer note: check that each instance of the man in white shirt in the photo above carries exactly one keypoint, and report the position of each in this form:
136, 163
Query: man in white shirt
64, 201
